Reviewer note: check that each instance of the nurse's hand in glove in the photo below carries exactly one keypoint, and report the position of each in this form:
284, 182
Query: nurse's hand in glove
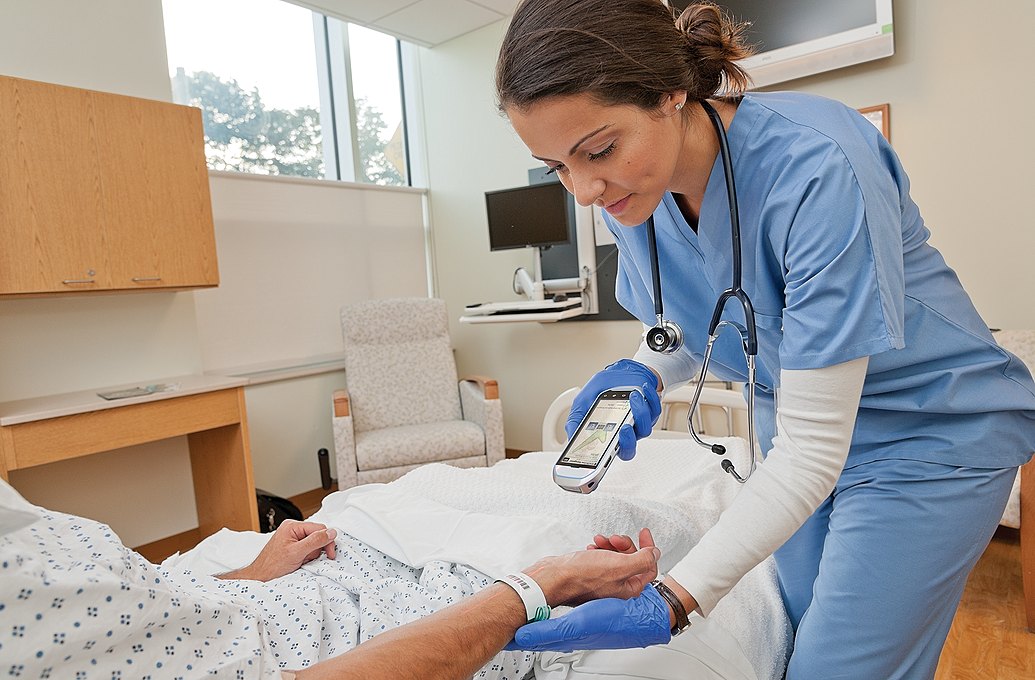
610, 623
586, 575
645, 404
601, 624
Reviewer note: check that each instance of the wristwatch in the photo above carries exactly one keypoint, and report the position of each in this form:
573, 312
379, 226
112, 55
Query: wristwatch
682, 620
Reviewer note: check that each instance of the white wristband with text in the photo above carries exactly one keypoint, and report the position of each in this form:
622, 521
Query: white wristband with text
536, 608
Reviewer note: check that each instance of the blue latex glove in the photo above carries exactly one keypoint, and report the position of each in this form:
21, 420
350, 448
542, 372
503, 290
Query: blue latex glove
646, 405
608, 623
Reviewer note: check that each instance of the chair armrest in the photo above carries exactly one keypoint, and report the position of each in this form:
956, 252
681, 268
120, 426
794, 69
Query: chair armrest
489, 387
344, 440
342, 406
487, 413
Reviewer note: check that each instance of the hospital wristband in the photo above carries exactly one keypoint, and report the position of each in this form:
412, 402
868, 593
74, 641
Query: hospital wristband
536, 608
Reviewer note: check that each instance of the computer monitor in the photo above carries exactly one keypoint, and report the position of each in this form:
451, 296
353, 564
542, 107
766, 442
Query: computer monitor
522, 217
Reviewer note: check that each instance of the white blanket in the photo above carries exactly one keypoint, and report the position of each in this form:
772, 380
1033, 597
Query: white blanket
505, 517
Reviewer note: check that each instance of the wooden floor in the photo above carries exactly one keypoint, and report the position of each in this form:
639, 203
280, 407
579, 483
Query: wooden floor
988, 639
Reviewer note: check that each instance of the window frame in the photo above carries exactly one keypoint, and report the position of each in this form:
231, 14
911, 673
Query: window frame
334, 76
337, 101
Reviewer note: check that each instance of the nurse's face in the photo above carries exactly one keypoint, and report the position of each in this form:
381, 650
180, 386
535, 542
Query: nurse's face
618, 157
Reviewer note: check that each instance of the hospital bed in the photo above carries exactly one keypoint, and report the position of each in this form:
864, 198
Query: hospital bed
500, 519
722, 412
405, 549
503, 518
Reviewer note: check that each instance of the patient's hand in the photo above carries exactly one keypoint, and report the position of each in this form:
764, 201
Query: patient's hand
292, 545
620, 542
591, 574
624, 544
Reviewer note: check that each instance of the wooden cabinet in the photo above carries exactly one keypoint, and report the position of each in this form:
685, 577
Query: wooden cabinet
101, 192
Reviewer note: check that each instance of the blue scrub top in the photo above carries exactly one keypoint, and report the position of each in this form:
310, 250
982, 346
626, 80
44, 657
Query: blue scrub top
837, 265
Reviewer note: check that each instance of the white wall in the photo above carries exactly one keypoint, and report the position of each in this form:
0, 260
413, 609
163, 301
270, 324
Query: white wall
107, 45
302, 250
960, 118
65, 344
336, 243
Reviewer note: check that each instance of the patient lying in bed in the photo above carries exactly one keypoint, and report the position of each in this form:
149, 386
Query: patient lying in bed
80, 600
80, 604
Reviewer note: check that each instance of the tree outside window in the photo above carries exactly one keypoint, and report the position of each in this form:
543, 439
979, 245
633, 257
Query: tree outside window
243, 134
266, 74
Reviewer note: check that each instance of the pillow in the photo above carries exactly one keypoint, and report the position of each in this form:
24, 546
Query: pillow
15, 512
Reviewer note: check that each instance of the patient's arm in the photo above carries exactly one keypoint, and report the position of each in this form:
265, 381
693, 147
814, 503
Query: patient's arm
292, 545
456, 641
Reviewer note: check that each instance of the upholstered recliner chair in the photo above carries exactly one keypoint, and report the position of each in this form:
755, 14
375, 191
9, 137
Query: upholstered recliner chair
404, 406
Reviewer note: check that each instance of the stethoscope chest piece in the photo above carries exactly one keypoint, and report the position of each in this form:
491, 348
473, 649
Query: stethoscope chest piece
665, 338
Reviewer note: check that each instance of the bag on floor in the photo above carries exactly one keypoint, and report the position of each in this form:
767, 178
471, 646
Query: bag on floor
273, 510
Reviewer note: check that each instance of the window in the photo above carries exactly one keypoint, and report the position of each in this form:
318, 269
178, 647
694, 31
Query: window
286, 91
378, 96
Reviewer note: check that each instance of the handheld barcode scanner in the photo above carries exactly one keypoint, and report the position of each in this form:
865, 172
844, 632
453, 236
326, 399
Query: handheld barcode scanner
594, 445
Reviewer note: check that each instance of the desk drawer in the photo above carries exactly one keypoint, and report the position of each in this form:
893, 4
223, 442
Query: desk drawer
54, 439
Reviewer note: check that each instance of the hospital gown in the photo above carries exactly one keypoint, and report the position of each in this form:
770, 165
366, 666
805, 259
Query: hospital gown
76, 603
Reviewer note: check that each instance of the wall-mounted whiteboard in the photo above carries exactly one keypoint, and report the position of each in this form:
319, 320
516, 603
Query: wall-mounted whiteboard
288, 263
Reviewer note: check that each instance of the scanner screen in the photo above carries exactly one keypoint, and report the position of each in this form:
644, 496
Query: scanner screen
596, 433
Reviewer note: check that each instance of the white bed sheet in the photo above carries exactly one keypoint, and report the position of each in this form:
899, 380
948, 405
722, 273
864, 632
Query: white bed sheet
503, 518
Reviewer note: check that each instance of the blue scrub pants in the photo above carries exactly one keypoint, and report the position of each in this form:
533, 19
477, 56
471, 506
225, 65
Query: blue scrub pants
873, 579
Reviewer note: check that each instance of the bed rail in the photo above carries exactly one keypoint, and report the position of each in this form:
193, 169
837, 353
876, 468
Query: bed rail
723, 413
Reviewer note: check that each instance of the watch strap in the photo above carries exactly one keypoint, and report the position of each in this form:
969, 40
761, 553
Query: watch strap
667, 594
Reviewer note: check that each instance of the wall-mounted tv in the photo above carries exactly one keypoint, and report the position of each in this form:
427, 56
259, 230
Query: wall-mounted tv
535, 215
797, 38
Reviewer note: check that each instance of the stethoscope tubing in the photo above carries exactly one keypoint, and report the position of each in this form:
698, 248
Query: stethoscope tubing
748, 336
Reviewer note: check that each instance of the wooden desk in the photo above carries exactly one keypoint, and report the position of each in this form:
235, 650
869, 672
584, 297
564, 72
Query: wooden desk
208, 409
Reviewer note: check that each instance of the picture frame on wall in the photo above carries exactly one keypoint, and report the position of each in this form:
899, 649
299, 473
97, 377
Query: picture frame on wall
880, 116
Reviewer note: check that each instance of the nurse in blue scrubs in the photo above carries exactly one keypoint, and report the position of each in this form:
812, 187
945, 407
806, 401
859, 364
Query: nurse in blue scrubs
891, 422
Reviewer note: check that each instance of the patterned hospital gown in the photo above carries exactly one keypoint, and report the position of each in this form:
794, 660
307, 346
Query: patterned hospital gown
76, 603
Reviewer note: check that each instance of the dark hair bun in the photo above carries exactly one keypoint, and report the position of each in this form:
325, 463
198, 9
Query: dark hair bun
715, 43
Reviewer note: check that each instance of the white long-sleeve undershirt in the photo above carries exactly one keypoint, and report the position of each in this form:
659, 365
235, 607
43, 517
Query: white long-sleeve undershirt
673, 369
815, 420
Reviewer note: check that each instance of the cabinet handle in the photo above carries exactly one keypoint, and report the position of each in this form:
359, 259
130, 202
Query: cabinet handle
145, 279
72, 282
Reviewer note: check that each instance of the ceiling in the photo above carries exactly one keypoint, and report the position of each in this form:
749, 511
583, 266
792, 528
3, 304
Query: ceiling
424, 22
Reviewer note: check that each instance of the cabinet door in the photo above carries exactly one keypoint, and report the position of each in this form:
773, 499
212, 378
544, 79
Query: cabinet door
50, 190
155, 193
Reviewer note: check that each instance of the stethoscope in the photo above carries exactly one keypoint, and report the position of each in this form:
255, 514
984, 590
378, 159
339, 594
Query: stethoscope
667, 337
